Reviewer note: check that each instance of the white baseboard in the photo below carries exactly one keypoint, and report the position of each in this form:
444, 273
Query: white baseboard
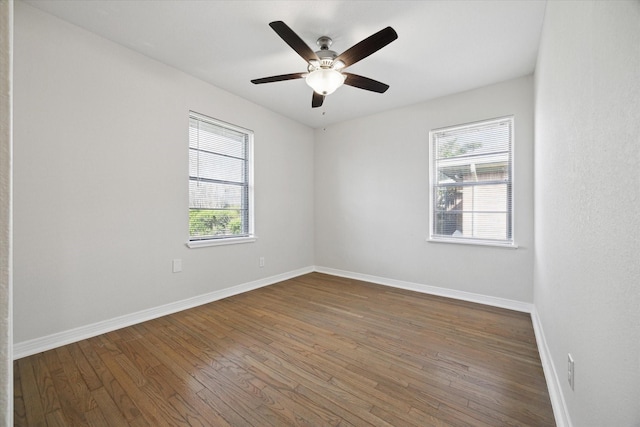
37, 345
560, 410
433, 290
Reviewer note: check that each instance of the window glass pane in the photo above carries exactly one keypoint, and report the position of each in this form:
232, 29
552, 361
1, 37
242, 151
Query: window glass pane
471, 181
488, 167
218, 179
216, 222
486, 198
213, 166
204, 194
472, 225
481, 225
448, 198
216, 139
473, 141
448, 223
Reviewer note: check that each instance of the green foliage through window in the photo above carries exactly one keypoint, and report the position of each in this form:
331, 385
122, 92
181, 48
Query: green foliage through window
214, 222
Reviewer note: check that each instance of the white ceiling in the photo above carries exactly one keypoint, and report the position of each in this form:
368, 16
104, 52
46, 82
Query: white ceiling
443, 47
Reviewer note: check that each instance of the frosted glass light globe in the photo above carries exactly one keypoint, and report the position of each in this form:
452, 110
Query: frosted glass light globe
325, 81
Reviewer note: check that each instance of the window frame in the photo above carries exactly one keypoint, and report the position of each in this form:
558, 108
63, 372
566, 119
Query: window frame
433, 171
249, 236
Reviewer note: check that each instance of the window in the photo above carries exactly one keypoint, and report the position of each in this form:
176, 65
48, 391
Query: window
471, 183
220, 185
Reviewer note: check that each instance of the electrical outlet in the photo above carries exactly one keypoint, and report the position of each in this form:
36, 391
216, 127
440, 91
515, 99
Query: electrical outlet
261, 262
571, 373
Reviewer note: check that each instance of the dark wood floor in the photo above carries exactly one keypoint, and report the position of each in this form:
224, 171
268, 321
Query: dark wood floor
316, 350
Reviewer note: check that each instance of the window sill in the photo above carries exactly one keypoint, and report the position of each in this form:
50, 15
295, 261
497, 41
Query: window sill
193, 244
474, 243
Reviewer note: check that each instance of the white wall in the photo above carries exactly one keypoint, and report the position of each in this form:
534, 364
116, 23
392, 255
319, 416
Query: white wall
6, 357
101, 192
587, 168
372, 205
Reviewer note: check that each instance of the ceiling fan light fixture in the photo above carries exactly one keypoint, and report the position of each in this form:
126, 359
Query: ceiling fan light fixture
338, 65
325, 81
324, 67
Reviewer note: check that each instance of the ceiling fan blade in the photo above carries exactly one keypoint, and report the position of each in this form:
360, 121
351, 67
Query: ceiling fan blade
317, 100
365, 83
279, 78
367, 46
293, 40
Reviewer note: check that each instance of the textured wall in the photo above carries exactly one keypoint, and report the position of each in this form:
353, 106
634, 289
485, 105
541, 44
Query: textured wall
372, 196
6, 365
587, 228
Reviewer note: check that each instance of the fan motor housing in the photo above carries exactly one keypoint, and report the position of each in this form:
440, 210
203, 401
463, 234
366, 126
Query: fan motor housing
325, 54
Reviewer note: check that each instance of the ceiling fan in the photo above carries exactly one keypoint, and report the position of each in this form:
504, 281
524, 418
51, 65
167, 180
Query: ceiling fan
325, 67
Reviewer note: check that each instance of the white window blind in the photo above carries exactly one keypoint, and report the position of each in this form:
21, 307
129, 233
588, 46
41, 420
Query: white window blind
219, 179
471, 182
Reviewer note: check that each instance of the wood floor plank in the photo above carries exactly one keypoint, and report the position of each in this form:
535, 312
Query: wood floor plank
48, 396
315, 350
238, 392
75, 379
111, 385
350, 414
107, 412
231, 412
71, 407
89, 375
19, 408
27, 399
185, 397
95, 418
154, 414
57, 419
